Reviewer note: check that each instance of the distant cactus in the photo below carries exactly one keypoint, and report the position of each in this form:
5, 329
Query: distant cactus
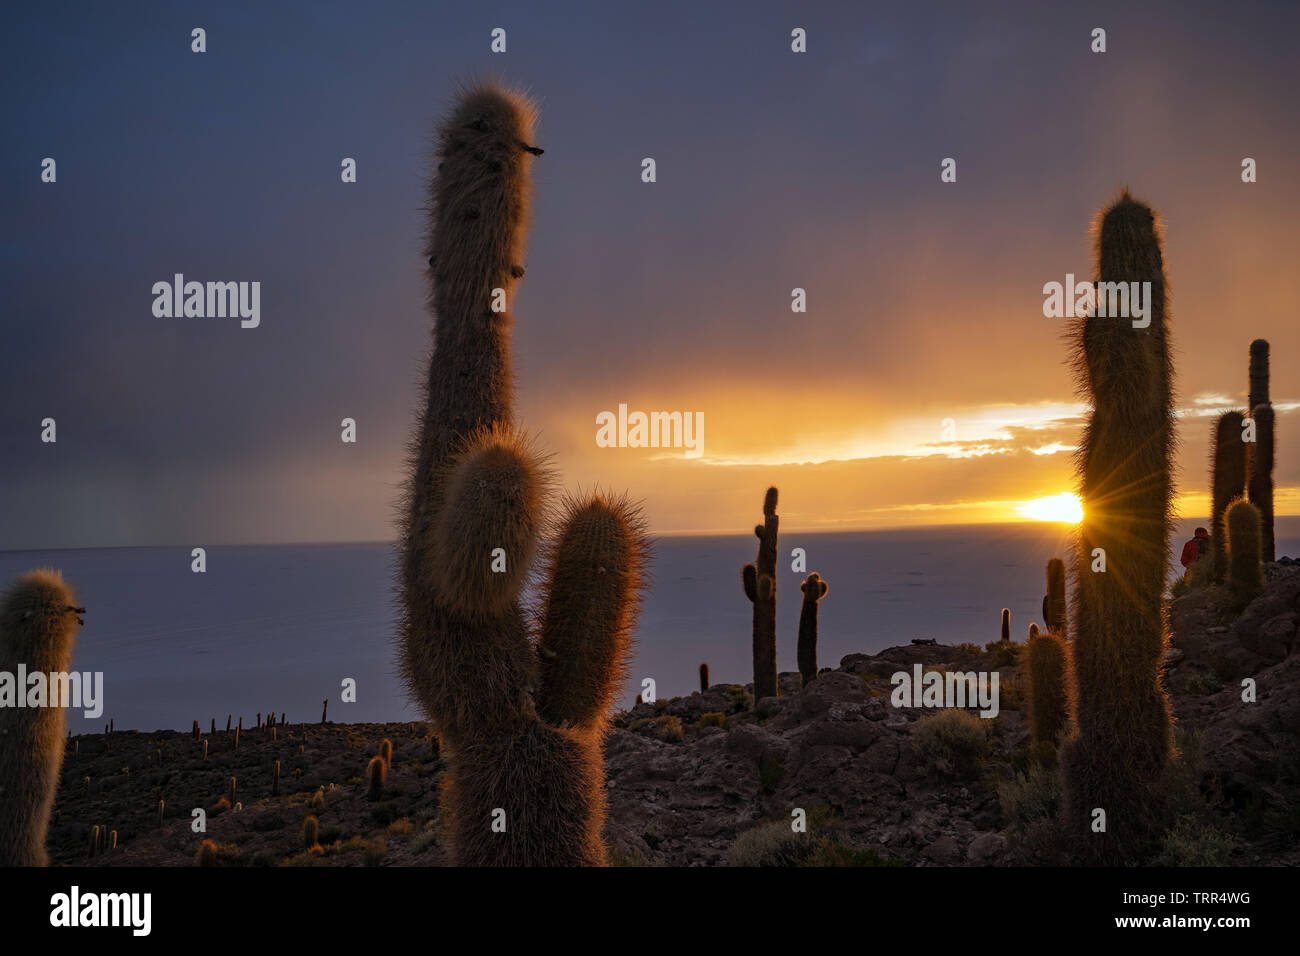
162, 804
1047, 697
1245, 574
229, 717
237, 729
275, 780
324, 710
386, 750
205, 750
759, 580
1261, 457
233, 787
206, 855
1006, 624
196, 733
521, 723
376, 773
94, 843
1123, 738
1227, 482
1054, 612
38, 621
1259, 373
704, 677
112, 840
814, 589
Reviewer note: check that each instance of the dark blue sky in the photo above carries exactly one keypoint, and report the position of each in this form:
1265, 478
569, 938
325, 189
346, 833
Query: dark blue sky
775, 170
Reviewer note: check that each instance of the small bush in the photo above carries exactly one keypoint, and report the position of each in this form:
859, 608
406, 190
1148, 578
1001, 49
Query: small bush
669, 728
1005, 653
953, 743
714, 719
375, 852
966, 647
1196, 844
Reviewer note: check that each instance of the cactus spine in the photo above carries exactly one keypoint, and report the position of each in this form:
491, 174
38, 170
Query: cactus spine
759, 581
1123, 736
1054, 612
814, 589
38, 621
1245, 574
521, 727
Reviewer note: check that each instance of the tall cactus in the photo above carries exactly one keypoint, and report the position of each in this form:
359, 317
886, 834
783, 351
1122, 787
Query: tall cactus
1123, 738
1006, 624
38, 621
1054, 612
814, 589
1227, 482
521, 728
1260, 459
759, 580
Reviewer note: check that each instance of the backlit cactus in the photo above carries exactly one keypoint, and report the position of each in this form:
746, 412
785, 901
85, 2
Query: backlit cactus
1006, 624
38, 621
1227, 482
1260, 458
759, 582
704, 677
376, 774
1122, 742
520, 727
1245, 574
1054, 608
814, 589
1047, 697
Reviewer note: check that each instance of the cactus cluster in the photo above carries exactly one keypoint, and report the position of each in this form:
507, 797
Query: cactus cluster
1122, 741
759, 583
521, 724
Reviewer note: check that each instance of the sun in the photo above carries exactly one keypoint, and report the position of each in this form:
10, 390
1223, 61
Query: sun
1065, 508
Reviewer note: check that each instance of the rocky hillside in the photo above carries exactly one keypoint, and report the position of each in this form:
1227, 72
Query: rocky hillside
713, 778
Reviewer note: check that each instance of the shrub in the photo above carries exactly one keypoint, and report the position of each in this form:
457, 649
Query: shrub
953, 743
714, 719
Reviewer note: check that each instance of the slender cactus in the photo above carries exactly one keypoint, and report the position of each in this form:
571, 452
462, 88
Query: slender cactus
814, 589
759, 582
1260, 459
1054, 613
1227, 482
704, 677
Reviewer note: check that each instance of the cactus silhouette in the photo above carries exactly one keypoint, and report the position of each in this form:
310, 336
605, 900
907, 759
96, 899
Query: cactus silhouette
1047, 697
814, 589
1259, 373
1054, 612
1227, 482
704, 677
1245, 573
521, 726
38, 621
1006, 624
1260, 458
376, 774
1123, 738
759, 581
310, 831
386, 750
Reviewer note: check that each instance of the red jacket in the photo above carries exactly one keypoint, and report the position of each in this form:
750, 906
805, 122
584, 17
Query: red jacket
1192, 550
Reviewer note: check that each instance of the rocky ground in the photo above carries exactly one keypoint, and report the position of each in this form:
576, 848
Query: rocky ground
712, 778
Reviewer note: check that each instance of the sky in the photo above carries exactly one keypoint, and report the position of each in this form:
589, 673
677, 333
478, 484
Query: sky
774, 171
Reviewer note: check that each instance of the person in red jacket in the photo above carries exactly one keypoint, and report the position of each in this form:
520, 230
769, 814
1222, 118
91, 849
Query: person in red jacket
1193, 549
